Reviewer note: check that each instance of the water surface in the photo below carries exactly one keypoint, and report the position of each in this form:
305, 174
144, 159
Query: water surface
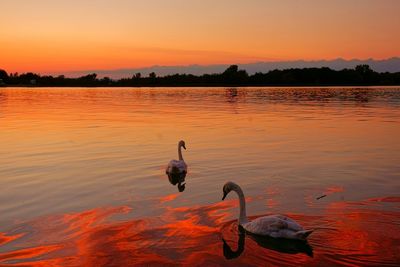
82, 175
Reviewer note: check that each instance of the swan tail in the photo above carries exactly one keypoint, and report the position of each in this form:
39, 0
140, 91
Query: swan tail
303, 234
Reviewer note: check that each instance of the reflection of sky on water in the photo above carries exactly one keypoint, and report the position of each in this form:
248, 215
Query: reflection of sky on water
346, 234
68, 154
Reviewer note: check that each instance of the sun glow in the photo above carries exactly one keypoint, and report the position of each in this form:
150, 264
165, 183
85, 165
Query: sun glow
49, 36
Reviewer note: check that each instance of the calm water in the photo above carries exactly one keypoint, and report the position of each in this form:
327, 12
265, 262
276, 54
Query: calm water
82, 175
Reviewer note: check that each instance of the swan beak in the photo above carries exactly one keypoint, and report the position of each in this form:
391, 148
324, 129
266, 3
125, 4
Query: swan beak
184, 147
225, 194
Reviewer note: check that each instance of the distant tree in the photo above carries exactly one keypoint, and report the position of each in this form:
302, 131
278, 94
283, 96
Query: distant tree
367, 74
233, 69
363, 69
106, 81
4, 75
137, 76
29, 78
152, 75
89, 77
233, 75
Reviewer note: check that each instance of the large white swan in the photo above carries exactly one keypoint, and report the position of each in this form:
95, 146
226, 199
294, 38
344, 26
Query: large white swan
277, 226
177, 167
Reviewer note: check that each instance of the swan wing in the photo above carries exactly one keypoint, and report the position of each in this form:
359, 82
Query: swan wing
273, 225
176, 166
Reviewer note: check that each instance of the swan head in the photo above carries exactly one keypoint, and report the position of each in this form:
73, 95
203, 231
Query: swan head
228, 187
182, 144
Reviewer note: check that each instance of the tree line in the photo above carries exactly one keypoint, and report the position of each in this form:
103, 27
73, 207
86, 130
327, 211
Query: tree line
232, 76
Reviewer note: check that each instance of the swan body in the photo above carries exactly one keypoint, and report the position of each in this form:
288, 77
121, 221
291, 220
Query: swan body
288, 246
177, 167
276, 226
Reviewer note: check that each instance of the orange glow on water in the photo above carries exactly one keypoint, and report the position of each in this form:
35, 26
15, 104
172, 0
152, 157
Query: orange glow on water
4, 239
26, 254
361, 241
169, 198
91, 162
192, 235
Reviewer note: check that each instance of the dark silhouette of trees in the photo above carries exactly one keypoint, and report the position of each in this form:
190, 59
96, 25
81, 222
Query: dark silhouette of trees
367, 75
28, 78
232, 76
89, 77
232, 70
3, 76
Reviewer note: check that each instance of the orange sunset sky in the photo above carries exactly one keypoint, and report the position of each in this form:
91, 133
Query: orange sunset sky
67, 35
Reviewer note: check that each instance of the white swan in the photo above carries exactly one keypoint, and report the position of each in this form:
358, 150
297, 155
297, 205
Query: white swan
277, 226
177, 167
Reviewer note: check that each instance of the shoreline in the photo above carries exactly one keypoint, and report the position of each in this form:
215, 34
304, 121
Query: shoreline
211, 86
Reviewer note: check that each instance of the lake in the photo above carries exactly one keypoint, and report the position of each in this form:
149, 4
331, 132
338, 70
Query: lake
82, 175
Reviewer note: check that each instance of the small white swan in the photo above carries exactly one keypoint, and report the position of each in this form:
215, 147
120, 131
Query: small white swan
177, 167
277, 226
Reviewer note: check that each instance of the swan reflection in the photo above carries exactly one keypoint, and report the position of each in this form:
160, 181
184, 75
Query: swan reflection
288, 246
228, 252
177, 179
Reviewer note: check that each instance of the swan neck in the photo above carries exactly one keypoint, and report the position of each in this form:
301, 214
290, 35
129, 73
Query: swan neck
180, 152
242, 203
